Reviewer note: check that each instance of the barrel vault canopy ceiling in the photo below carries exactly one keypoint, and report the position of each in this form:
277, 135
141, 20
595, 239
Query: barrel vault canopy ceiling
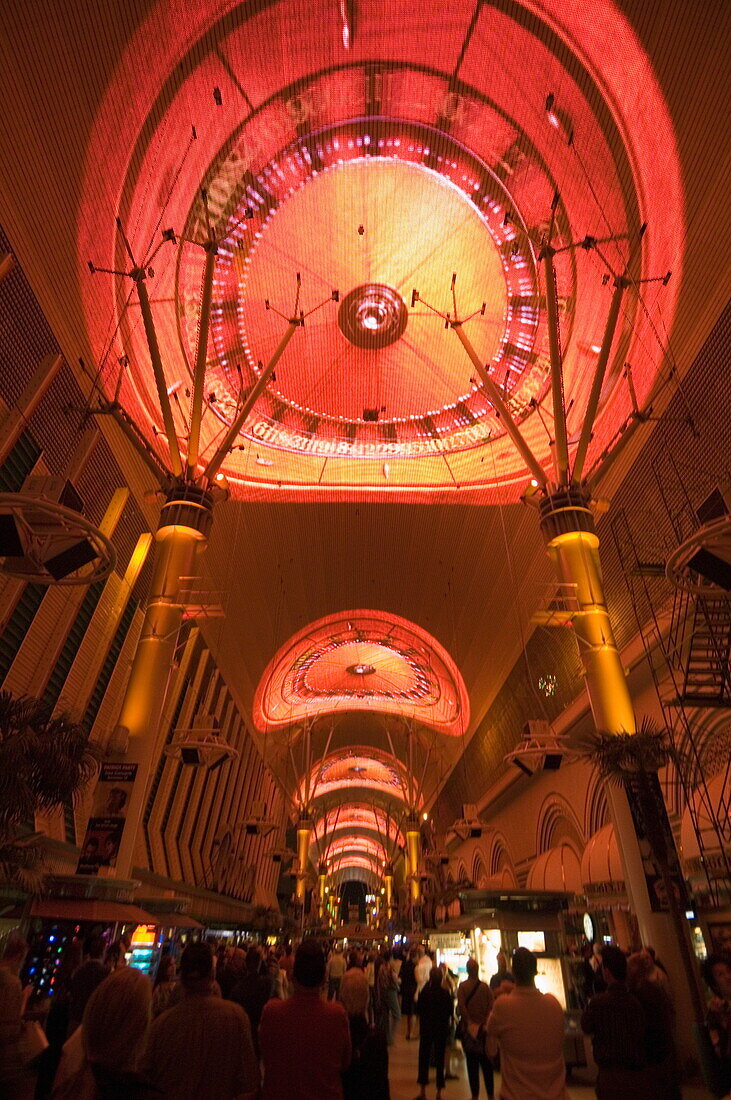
375, 149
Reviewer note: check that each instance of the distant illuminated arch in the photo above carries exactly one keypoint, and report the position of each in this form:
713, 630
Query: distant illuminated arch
357, 818
359, 769
363, 661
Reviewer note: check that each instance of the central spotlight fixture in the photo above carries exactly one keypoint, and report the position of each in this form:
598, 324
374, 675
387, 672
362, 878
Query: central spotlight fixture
361, 670
372, 316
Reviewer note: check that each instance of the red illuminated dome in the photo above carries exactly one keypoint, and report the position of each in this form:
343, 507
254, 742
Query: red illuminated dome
429, 145
362, 661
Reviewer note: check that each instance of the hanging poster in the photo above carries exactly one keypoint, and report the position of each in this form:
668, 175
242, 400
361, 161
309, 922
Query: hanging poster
106, 824
650, 817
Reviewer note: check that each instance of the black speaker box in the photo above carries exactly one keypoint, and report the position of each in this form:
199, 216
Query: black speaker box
11, 545
69, 560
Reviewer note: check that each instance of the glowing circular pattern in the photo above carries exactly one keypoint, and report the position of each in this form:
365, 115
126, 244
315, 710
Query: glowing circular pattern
363, 661
363, 768
303, 144
403, 218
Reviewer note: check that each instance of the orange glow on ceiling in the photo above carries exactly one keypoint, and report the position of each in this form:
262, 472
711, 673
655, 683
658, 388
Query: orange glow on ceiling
362, 661
358, 767
376, 164
358, 818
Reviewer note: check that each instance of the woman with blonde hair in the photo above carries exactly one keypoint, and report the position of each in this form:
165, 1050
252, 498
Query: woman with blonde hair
99, 1061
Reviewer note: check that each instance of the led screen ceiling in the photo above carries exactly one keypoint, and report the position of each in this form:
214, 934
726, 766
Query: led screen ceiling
362, 661
378, 158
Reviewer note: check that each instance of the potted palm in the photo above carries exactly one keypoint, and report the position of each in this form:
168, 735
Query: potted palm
45, 761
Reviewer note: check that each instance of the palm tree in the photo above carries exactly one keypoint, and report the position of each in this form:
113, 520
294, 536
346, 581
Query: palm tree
632, 761
45, 761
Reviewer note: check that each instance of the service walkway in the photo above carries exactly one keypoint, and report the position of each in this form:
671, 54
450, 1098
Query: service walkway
403, 1070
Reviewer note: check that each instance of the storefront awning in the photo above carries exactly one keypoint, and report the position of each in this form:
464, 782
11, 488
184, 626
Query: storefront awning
91, 910
177, 920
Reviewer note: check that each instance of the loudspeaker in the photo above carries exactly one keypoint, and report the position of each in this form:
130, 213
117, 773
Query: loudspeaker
190, 755
11, 545
713, 568
69, 560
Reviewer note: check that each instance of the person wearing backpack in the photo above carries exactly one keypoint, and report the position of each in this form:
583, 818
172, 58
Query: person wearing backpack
474, 1002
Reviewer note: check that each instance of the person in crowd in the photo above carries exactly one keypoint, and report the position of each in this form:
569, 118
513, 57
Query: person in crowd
366, 1078
370, 973
15, 1082
526, 1027
502, 974
253, 990
422, 970
596, 967
286, 962
435, 1010
662, 1068
616, 1022
101, 1060
335, 969
230, 970
57, 1021
408, 989
388, 1012
201, 1049
115, 955
85, 980
717, 975
305, 1040
165, 986
449, 981
474, 1004
657, 973
353, 977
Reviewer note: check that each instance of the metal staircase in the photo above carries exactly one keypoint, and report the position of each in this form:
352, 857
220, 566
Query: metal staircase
707, 680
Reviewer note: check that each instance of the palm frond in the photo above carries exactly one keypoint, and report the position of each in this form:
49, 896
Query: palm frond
22, 861
618, 756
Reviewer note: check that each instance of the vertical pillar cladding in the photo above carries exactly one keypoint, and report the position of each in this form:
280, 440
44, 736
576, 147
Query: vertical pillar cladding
568, 527
413, 842
388, 887
304, 832
182, 535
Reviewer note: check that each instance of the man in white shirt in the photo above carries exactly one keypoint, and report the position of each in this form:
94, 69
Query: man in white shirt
335, 969
527, 1027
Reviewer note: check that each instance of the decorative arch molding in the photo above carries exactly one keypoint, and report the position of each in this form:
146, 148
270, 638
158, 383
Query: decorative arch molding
480, 876
557, 823
500, 862
596, 807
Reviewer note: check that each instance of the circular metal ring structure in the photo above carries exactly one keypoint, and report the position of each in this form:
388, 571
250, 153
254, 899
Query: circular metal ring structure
682, 566
54, 536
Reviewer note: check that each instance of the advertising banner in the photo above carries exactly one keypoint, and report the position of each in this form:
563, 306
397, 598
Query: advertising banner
109, 811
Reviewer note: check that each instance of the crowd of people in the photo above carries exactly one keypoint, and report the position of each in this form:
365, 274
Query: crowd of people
317, 1024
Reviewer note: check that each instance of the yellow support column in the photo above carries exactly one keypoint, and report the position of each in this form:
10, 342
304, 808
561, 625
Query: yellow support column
322, 890
573, 546
185, 523
304, 832
388, 887
413, 845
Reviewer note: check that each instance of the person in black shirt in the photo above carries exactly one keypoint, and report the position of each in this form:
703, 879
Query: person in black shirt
502, 973
85, 979
616, 1022
408, 988
435, 1010
366, 1078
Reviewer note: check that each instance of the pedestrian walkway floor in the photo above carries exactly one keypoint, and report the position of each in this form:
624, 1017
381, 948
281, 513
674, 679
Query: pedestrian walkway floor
403, 1071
